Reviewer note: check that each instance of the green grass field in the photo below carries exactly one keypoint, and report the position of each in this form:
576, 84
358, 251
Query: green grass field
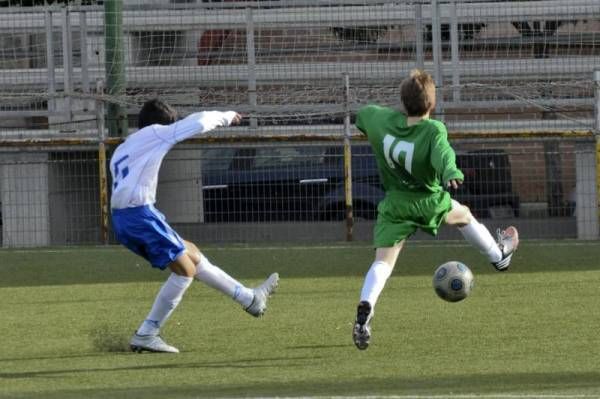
67, 314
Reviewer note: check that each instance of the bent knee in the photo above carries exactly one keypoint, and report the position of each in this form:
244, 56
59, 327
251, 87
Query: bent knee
184, 265
459, 215
193, 251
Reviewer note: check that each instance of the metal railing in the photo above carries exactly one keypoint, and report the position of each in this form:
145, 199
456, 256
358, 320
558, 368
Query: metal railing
74, 46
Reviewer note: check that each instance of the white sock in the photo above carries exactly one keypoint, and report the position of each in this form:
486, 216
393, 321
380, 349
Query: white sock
216, 278
165, 303
479, 236
375, 280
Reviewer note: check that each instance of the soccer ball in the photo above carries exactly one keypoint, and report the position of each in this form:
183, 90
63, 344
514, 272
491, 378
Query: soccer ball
453, 281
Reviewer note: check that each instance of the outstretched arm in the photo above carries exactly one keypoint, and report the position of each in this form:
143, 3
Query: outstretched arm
197, 123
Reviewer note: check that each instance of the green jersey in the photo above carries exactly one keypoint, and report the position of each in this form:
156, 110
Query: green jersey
415, 158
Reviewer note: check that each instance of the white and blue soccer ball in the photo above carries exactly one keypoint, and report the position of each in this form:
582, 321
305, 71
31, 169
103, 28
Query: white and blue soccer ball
453, 281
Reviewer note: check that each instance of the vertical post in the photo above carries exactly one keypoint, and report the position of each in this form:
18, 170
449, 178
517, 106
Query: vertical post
67, 61
436, 39
103, 181
115, 66
597, 96
454, 52
348, 162
85, 76
251, 52
419, 35
586, 208
597, 135
102, 164
50, 62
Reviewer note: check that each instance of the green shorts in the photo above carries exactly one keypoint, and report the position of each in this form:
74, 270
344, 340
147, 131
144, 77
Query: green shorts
400, 214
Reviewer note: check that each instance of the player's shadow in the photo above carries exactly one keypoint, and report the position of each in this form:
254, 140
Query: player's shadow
55, 357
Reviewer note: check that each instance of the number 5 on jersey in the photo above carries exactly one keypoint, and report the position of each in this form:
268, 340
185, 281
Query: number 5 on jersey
120, 173
392, 150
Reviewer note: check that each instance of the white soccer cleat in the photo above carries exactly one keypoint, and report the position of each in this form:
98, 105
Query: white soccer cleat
261, 294
508, 241
150, 343
361, 333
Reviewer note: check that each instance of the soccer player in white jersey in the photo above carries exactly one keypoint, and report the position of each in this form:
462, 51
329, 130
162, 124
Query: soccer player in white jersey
139, 226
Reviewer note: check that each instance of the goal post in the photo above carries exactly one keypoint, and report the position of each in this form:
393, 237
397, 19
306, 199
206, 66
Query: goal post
115, 66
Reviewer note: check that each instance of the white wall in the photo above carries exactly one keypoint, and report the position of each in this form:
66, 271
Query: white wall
179, 193
24, 197
585, 193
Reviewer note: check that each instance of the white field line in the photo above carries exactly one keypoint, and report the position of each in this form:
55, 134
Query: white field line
234, 247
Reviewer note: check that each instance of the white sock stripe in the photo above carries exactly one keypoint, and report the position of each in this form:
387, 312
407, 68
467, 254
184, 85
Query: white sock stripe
504, 262
237, 292
153, 323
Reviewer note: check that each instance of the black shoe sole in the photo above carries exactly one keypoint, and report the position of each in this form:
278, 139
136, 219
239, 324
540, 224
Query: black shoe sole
137, 349
362, 312
362, 316
141, 349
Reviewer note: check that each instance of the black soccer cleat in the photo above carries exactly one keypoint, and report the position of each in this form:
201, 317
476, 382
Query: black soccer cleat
361, 334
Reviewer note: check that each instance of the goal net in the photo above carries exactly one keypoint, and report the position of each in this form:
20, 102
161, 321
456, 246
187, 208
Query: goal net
499, 65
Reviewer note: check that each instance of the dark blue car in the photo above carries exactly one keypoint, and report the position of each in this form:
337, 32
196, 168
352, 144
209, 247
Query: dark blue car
306, 183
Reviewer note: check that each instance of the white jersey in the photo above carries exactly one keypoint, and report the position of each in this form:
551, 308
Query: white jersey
135, 163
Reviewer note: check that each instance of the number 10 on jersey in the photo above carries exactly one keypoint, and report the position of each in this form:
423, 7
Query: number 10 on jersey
392, 150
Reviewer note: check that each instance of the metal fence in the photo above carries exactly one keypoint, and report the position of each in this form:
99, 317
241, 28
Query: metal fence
516, 90
520, 65
290, 192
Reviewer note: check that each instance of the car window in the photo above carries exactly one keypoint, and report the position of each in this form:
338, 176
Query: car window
217, 159
278, 157
246, 158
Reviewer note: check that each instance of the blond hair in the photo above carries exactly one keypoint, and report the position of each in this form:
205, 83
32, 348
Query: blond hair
417, 93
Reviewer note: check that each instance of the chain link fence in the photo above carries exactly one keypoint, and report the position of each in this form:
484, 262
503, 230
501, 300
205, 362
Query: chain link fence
515, 82
294, 192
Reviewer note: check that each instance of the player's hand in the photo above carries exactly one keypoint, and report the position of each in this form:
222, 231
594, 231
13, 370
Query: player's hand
454, 183
237, 119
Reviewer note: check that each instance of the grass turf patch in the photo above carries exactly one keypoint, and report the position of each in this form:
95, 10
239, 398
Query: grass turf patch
68, 315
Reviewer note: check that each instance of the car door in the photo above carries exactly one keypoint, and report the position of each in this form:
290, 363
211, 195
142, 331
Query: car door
290, 181
224, 184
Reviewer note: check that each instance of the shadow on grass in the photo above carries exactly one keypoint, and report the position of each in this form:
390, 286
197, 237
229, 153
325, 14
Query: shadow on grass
116, 265
299, 347
55, 357
530, 384
273, 362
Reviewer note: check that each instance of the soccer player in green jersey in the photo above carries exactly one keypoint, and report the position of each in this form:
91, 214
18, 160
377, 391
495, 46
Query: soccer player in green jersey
416, 162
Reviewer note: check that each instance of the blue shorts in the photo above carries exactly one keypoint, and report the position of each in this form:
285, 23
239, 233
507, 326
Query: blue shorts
145, 231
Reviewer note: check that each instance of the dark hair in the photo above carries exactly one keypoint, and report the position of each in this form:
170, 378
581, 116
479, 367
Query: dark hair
156, 112
417, 92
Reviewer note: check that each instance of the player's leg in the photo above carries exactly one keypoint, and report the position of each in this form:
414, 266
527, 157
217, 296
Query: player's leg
157, 242
388, 238
499, 252
136, 229
378, 274
253, 300
169, 296
474, 232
